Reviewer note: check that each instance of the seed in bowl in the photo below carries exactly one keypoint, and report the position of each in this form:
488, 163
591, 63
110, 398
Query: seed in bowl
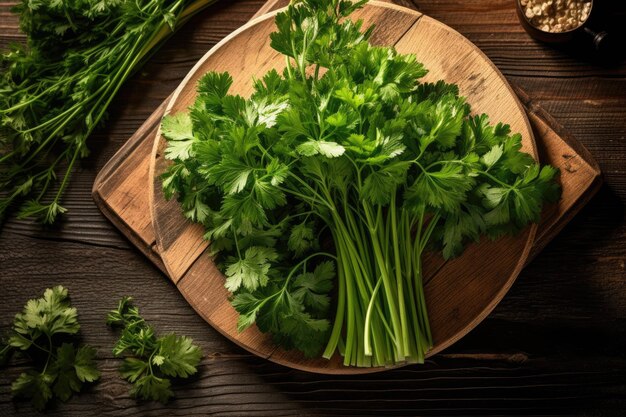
556, 15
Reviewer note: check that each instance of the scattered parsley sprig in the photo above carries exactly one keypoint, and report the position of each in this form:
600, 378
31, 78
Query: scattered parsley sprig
153, 360
45, 331
342, 172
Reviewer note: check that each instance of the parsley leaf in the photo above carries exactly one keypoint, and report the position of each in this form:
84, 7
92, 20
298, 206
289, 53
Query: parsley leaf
252, 270
151, 387
34, 386
67, 380
149, 360
37, 333
301, 238
177, 356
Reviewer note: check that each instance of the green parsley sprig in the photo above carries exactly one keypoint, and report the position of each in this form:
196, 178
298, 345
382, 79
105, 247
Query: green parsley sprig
55, 90
342, 172
153, 360
45, 331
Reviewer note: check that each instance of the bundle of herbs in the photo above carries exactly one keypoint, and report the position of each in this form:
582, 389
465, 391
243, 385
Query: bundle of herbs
56, 88
340, 173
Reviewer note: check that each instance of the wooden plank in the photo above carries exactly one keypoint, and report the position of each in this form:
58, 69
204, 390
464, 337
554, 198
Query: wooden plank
521, 362
126, 203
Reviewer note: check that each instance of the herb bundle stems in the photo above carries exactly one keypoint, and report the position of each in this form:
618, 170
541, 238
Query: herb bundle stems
384, 304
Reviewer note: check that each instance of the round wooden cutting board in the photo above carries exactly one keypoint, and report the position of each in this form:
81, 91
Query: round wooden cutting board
460, 293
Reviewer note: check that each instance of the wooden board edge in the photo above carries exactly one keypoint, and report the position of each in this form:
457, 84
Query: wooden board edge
536, 108
565, 219
267, 7
109, 169
128, 147
148, 250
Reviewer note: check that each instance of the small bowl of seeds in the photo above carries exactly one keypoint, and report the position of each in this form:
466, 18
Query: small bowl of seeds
554, 21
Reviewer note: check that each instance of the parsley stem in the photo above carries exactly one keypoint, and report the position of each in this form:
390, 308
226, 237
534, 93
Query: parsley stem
67, 175
236, 243
429, 230
409, 273
51, 138
119, 78
49, 354
5, 349
288, 66
24, 103
7, 156
61, 116
304, 261
338, 323
32, 342
398, 270
314, 193
150, 361
494, 179
48, 176
387, 284
350, 317
368, 318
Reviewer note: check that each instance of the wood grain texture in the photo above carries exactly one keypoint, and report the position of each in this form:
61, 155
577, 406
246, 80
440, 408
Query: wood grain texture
554, 346
460, 293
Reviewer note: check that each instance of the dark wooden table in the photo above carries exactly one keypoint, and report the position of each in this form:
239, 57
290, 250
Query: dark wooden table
556, 345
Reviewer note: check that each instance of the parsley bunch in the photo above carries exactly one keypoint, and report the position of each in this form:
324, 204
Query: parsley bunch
155, 360
342, 172
55, 90
45, 332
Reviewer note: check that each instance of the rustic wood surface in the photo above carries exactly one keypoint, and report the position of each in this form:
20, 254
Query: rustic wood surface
555, 345
120, 192
460, 293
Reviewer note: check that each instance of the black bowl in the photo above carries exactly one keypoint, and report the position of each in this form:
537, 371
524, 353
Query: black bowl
549, 37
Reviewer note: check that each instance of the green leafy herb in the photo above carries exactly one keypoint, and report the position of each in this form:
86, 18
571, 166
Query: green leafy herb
55, 89
45, 331
154, 361
340, 173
